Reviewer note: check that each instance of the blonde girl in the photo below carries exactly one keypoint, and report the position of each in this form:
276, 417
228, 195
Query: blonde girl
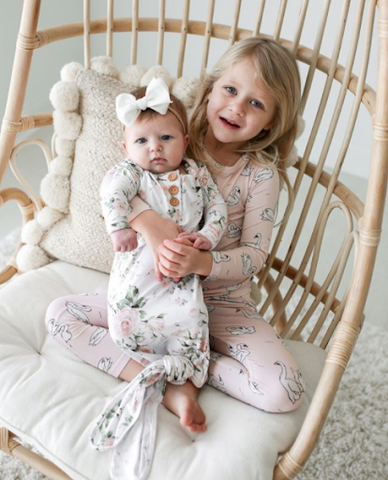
245, 122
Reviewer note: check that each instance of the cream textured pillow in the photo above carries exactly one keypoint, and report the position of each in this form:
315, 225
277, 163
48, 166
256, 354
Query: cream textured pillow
88, 142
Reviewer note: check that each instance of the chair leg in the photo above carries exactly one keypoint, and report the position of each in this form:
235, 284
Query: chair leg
10, 446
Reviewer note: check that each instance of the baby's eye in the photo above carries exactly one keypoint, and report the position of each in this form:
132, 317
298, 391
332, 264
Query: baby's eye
166, 137
141, 140
257, 104
231, 90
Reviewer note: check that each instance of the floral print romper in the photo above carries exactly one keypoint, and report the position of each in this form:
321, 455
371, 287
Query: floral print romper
150, 318
161, 324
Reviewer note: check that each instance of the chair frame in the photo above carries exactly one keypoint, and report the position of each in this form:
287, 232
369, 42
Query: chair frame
347, 313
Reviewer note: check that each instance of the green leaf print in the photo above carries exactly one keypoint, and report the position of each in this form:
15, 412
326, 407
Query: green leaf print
123, 303
132, 296
128, 421
184, 281
139, 303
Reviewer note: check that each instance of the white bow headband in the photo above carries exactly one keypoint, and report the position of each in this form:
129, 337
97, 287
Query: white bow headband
157, 97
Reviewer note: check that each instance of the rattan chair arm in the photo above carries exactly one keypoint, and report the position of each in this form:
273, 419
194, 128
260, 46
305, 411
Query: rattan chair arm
27, 208
351, 200
338, 357
28, 122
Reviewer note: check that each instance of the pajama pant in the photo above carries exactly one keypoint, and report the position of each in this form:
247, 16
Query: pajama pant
248, 360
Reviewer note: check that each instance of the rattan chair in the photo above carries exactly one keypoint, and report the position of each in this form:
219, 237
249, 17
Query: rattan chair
305, 298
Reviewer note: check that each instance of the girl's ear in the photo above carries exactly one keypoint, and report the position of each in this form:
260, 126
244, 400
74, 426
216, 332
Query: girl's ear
270, 124
124, 146
186, 141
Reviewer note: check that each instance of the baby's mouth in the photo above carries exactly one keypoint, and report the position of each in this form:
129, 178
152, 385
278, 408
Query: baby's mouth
229, 123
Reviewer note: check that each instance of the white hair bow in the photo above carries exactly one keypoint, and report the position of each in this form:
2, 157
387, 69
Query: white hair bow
157, 97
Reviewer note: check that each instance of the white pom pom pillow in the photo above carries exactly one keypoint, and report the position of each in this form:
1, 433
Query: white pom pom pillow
88, 140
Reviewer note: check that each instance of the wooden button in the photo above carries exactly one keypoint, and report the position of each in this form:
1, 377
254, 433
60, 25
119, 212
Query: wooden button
173, 190
173, 176
174, 201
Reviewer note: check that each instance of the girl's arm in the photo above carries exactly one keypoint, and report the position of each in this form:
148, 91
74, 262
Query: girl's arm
178, 258
215, 210
155, 229
234, 264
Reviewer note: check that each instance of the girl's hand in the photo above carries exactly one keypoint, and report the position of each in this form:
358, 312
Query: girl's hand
179, 258
155, 229
124, 240
199, 241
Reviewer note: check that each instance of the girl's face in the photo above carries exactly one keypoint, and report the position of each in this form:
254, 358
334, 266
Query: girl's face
156, 143
239, 107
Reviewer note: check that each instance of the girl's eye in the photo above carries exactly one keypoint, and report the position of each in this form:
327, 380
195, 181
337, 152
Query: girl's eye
141, 140
257, 104
231, 90
166, 137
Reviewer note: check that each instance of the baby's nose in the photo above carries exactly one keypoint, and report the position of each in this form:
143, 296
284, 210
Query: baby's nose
156, 146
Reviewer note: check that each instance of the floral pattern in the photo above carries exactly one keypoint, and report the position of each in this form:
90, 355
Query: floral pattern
163, 325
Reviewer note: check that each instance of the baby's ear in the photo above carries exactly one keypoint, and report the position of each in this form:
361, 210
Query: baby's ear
124, 145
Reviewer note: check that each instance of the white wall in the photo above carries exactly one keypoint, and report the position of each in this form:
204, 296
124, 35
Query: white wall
49, 60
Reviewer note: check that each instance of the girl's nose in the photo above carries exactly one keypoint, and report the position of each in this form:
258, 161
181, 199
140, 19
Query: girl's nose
237, 107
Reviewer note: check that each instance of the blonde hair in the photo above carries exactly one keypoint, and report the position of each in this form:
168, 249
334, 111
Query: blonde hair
176, 108
277, 67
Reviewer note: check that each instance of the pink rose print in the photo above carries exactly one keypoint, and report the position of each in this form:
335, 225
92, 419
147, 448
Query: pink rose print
156, 325
145, 350
118, 206
125, 322
180, 301
204, 181
142, 194
178, 215
204, 347
193, 312
109, 442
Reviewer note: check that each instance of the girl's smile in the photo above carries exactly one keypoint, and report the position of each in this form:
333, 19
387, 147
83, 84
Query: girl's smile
239, 108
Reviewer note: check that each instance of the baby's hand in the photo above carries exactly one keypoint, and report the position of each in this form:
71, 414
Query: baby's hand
124, 240
199, 241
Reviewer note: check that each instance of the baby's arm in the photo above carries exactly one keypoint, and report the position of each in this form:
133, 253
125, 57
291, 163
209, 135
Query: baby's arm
124, 240
119, 186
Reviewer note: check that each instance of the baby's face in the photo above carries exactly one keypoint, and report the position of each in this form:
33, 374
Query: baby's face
156, 143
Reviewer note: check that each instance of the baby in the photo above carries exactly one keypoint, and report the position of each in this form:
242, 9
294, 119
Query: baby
161, 324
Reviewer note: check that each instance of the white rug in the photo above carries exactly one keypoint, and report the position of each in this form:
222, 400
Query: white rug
354, 443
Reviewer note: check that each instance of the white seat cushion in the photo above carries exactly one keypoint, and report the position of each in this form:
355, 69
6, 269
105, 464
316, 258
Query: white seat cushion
51, 398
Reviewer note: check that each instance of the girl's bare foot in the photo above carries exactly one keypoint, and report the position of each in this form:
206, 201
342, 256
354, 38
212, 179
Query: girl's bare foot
183, 401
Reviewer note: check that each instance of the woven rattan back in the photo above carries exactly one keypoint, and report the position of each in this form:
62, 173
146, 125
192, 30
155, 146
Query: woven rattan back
332, 43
